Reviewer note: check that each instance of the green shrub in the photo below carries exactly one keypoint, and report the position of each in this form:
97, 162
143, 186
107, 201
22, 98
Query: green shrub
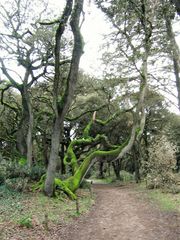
22, 161
26, 222
36, 172
159, 167
85, 184
16, 174
174, 188
126, 176
17, 184
2, 174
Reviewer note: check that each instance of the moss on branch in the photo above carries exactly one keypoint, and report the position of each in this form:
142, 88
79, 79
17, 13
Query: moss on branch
86, 133
108, 120
71, 184
70, 157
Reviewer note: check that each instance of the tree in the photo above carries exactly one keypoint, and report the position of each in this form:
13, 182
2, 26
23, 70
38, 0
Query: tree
132, 23
63, 94
173, 47
23, 42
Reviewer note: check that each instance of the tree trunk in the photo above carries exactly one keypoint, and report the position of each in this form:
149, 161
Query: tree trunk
136, 159
175, 54
21, 140
22, 128
74, 182
45, 147
101, 173
25, 129
51, 170
63, 101
29, 138
63, 167
117, 168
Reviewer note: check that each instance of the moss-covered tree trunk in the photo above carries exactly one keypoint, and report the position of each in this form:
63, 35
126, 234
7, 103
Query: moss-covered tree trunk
62, 100
74, 182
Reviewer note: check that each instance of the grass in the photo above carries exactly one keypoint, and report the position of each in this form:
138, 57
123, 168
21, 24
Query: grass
166, 201
125, 178
22, 208
106, 180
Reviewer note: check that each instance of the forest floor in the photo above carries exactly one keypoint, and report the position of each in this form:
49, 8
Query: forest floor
123, 213
119, 213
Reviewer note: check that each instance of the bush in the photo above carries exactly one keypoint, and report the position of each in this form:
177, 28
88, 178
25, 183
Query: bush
126, 176
17, 184
36, 172
2, 174
85, 184
16, 174
159, 167
26, 222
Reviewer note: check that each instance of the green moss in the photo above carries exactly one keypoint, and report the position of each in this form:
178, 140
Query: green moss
74, 182
138, 130
39, 185
70, 158
26, 222
87, 129
22, 161
62, 185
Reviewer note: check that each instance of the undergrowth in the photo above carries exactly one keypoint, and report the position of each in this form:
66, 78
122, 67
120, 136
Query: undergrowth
27, 209
166, 201
125, 177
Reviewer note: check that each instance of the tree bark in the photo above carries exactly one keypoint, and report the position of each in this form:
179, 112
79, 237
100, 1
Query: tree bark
25, 129
51, 170
63, 167
29, 138
101, 173
117, 168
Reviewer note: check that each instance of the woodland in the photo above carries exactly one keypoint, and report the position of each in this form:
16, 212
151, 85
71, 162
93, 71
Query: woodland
60, 126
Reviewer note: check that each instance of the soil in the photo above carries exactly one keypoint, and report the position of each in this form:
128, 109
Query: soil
119, 213
123, 213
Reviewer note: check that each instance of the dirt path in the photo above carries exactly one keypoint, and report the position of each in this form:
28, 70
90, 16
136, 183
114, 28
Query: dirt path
121, 213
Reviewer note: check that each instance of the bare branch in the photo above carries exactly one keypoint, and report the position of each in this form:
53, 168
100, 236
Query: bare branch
4, 70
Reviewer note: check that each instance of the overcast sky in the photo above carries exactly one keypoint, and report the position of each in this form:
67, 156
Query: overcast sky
93, 29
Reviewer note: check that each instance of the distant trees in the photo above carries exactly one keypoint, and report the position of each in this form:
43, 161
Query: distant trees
24, 45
